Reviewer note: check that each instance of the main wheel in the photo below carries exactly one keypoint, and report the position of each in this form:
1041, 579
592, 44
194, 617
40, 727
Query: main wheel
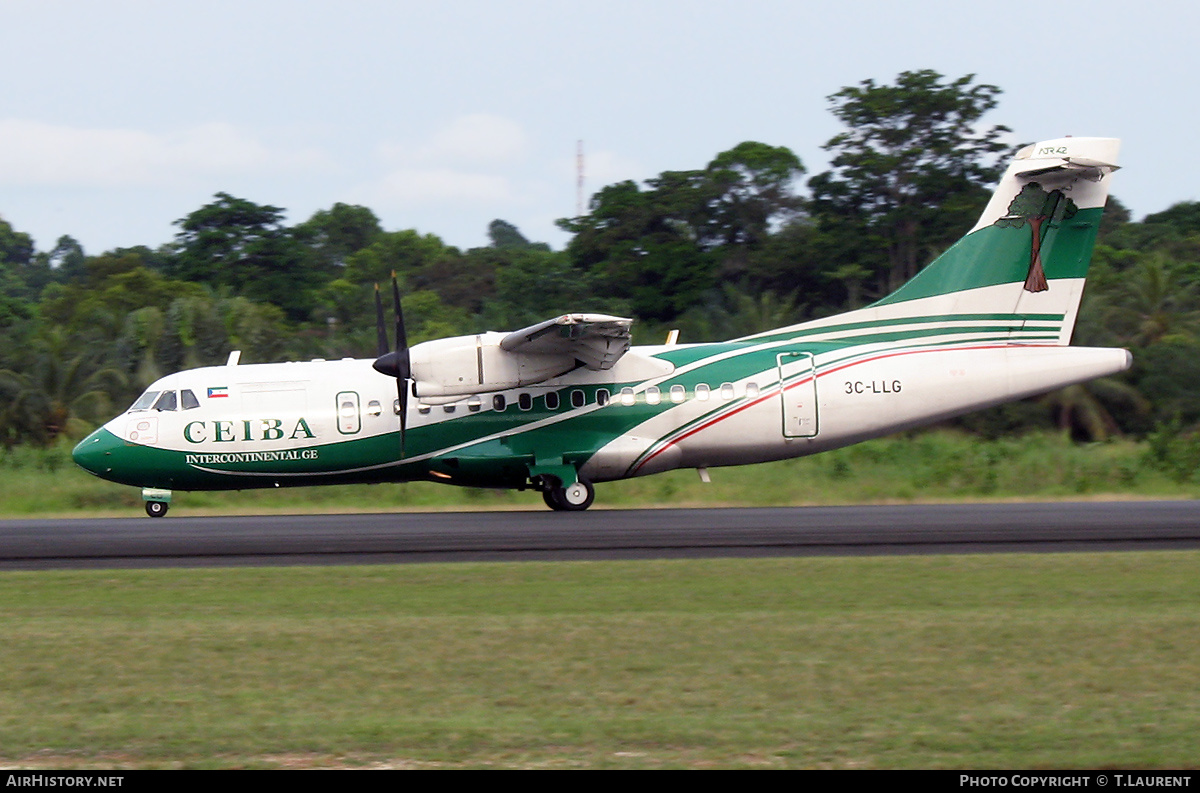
572, 498
551, 498
156, 509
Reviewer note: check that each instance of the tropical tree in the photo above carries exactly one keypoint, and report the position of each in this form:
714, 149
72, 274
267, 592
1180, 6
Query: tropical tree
16, 247
732, 311
62, 391
331, 235
662, 247
755, 193
503, 234
234, 245
67, 259
140, 343
1088, 411
912, 166
1183, 216
403, 252
644, 245
533, 284
1154, 303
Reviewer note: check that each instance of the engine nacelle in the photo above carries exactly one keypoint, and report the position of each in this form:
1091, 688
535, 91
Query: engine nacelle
464, 365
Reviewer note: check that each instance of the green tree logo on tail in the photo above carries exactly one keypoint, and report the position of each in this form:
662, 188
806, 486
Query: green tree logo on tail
1035, 206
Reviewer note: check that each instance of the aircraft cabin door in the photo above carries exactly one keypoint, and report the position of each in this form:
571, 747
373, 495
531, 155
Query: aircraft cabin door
798, 394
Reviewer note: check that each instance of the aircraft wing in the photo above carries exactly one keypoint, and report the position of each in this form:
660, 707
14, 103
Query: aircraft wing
596, 340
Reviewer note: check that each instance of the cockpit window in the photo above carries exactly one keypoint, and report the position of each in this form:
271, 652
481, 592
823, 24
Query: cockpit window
166, 402
188, 399
145, 401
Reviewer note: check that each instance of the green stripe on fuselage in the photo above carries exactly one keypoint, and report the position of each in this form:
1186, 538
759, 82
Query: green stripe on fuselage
950, 321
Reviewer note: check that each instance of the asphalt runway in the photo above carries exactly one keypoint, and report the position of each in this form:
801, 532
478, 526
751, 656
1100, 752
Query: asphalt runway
599, 534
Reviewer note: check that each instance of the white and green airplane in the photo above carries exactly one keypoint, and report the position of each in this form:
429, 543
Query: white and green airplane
566, 403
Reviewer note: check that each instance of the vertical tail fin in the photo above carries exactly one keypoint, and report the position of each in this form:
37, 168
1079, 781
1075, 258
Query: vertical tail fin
1029, 253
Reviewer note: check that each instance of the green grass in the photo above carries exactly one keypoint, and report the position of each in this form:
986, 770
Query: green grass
928, 466
988, 661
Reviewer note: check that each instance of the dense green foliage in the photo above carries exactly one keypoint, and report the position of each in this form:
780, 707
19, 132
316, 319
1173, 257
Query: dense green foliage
734, 247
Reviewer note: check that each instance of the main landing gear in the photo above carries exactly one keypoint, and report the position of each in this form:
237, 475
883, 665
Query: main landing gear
572, 498
156, 509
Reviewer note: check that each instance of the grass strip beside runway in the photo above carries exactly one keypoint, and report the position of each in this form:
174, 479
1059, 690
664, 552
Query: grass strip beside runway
921, 467
989, 661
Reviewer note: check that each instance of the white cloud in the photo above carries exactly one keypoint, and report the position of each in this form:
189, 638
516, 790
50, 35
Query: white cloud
37, 153
478, 139
413, 186
468, 160
603, 167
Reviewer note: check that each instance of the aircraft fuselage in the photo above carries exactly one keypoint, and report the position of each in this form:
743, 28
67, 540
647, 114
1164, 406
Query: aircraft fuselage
322, 422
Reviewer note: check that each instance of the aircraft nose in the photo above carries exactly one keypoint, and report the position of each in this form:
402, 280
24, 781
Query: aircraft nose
94, 453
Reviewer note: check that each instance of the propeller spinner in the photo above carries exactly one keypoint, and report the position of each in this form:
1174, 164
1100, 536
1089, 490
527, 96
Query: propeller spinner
394, 363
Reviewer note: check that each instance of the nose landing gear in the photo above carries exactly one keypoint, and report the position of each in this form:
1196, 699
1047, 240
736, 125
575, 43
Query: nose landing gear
157, 501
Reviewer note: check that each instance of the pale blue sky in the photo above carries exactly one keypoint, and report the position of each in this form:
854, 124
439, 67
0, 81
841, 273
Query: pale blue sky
117, 118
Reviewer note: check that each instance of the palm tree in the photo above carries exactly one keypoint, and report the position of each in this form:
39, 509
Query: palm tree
1082, 410
1153, 303
63, 392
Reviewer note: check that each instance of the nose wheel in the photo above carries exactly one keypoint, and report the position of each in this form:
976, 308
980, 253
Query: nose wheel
572, 498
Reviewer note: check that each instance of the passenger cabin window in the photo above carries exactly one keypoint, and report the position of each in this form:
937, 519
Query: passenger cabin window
374, 408
578, 399
525, 402
474, 403
652, 395
726, 390
601, 396
188, 399
498, 402
552, 400
349, 418
702, 392
449, 408
627, 396
678, 393
751, 390
422, 409
166, 401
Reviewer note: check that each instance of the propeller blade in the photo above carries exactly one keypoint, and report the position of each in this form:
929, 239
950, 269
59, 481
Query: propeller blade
395, 363
403, 360
402, 395
381, 347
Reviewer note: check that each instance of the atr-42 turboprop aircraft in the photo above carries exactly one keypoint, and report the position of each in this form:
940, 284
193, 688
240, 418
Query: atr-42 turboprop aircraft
566, 403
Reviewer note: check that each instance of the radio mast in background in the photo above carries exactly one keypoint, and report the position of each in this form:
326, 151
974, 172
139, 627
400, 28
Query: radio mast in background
579, 180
